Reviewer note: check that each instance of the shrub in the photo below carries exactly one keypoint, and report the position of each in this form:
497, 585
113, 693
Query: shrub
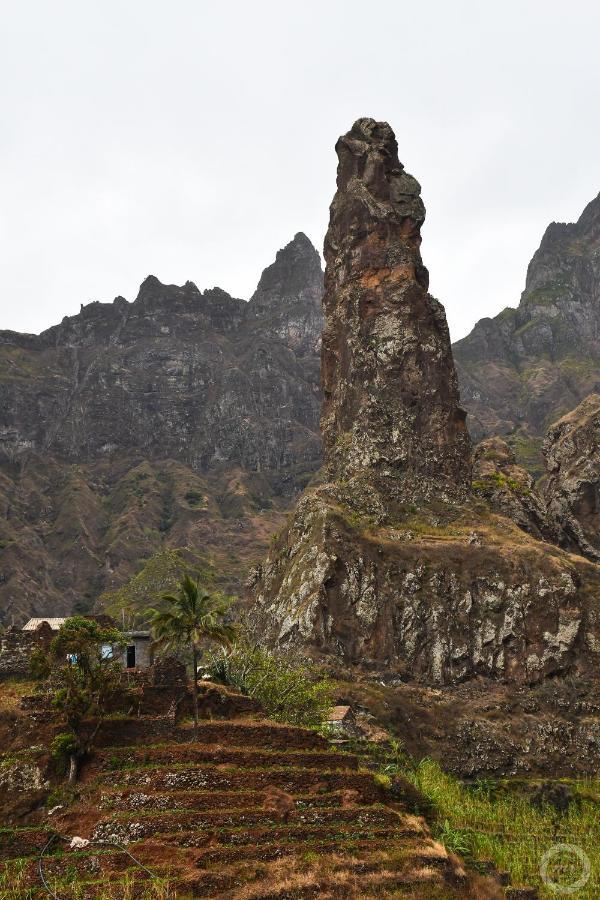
288, 690
39, 664
382, 780
63, 747
456, 840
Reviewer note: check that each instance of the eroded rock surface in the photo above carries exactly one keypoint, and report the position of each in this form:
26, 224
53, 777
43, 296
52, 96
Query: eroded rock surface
509, 488
528, 366
185, 418
572, 489
389, 385
391, 562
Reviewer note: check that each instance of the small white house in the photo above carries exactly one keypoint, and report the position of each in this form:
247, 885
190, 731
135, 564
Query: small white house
137, 645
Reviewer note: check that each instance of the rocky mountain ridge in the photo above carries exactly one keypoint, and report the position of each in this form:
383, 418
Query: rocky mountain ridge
523, 369
185, 418
190, 418
184, 374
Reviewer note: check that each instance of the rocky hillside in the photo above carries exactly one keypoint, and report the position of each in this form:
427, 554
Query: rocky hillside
572, 486
522, 370
185, 418
393, 562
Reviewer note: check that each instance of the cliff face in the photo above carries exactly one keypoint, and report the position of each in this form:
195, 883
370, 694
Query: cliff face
391, 562
572, 488
185, 417
510, 489
389, 385
526, 367
177, 374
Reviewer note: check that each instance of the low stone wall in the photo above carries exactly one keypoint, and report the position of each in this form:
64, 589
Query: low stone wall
16, 647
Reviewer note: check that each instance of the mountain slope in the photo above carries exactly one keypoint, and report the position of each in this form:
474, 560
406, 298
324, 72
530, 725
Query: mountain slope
185, 418
523, 369
393, 562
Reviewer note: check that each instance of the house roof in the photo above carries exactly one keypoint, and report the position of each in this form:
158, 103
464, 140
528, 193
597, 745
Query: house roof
35, 623
338, 713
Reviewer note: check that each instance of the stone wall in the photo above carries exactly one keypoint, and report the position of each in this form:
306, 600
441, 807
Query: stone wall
16, 647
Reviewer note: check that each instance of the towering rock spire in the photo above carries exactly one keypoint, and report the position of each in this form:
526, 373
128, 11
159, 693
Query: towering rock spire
390, 561
390, 389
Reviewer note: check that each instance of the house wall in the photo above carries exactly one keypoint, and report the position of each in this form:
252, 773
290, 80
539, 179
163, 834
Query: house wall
143, 652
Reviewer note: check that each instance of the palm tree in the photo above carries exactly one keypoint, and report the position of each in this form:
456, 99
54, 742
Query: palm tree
194, 615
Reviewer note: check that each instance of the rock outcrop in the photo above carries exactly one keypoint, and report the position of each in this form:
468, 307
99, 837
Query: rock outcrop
178, 373
185, 418
572, 488
523, 369
389, 385
391, 562
509, 488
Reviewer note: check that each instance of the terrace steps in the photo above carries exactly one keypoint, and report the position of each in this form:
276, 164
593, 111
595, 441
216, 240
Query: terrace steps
248, 809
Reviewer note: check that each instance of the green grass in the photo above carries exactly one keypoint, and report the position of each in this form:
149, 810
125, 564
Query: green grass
14, 881
496, 480
528, 453
501, 824
491, 820
16, 884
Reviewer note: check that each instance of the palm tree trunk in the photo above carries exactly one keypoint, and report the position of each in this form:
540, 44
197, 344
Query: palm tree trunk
73, 768
195, 688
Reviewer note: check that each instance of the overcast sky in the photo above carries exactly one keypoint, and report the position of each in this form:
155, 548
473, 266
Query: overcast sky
191, 140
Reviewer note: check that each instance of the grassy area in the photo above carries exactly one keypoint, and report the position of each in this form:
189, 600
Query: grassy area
499, 821
15, 884
12, 690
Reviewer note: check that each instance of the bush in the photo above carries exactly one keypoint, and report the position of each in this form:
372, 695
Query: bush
39, 664
382, 780
62, 748
287, 690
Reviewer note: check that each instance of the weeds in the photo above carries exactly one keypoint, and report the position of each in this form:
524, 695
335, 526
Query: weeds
491, 821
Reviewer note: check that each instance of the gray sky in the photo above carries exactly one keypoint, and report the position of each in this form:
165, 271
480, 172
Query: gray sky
190, 139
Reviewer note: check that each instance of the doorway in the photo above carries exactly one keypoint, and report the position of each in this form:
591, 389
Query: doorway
131, 656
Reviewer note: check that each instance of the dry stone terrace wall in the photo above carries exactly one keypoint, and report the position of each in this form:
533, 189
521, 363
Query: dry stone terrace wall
213, 828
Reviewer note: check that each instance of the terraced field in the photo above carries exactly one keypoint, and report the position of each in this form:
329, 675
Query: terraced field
246, 810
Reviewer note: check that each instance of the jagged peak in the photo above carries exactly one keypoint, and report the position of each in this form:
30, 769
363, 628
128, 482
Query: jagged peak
301, 240
590, 215
299, 248
296, 268
370, 172
151, 287
586, 225
150, 283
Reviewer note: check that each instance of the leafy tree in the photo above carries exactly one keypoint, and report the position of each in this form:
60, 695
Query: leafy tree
192, 616
85, 678
288, 690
